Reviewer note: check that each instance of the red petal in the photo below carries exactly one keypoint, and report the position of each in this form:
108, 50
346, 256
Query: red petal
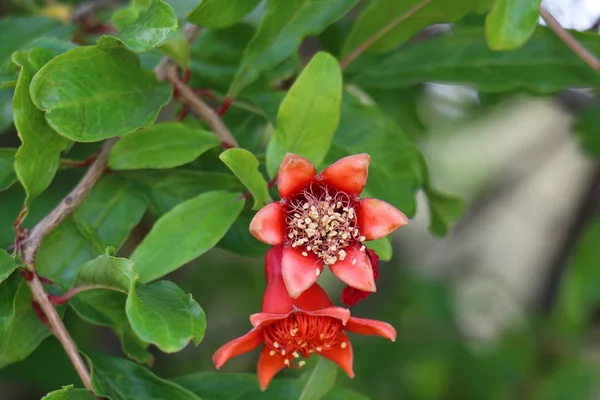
276, 299
295, 172
268, 225
236, 347
299, 272
259, 319
348, 174
377, 219
313, 298
371, 327
341, 356
268, 367
341, 313
358, 275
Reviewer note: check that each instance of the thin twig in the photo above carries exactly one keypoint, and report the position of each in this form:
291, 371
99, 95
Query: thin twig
31, 244
203, 110
569, 40
391, 25
63, 298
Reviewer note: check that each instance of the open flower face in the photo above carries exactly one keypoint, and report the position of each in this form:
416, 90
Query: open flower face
293, 329
321, 220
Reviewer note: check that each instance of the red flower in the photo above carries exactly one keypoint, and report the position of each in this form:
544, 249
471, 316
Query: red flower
350, 295
294, 328
322, 221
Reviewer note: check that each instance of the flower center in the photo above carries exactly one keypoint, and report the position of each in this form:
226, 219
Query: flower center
323, 222
301, 335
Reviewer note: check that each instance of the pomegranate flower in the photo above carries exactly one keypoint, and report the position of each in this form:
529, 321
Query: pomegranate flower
350, 295
321, 220
294, 328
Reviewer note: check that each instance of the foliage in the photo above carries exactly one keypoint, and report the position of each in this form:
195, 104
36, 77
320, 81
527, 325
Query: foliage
164, 229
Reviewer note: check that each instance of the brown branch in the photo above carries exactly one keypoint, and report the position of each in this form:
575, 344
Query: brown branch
369, 42
31, 244
569, 40
63, 298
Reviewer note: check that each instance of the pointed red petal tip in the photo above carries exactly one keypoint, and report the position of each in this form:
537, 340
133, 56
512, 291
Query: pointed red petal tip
268, 367
341, 354
295, 172
268, 225
355, 270
371, 327
236, 347
259, 319
377, 219
348, 174
299, 272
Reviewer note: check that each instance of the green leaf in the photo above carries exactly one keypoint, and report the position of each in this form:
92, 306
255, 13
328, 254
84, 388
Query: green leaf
162, 314
150, 24
186, 232
120, 379
245, 166
444, 210
221, 13
396, 172
6, 111
24, 331
218, 386
382, 247
239, 240
284, 25
178, 49
402, 105
9, 288
38, 158
165, 145
118, 99
387, 22
107, 272
319, 381
587, 128
544, 64
7, 171
103, 307
105, 218
7, 265
510, 23
309, 114
339, 393
69, 393
166, 189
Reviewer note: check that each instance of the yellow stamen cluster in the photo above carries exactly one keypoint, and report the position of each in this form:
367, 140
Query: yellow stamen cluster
323, 222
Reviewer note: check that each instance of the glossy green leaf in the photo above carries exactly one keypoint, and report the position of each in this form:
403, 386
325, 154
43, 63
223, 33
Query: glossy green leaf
150, 24
511, 22
7, 170
309, 114
544, 64
182, 7
396, 172
7, 265
69, 393
444, 210
107, 308
38, 158
403, 106
105, 218
387, 22
24, 331
221, 13
245, 166
120, 379
186, 232
318, 382
382, 247
162, 314
284, 25
167, 188
164, 145
119, 97
107, 272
